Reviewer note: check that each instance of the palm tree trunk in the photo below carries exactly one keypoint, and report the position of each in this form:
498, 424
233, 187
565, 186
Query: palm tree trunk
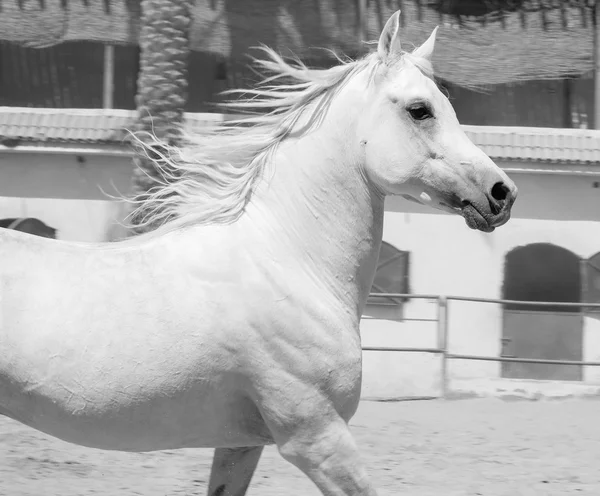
162, 83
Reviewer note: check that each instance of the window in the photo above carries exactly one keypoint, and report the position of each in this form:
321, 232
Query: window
542, 272
391, 276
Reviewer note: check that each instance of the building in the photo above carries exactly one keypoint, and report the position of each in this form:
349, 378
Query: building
60, 164
64, 165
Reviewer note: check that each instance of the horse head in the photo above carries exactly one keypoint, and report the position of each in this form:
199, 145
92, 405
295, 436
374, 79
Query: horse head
414, 146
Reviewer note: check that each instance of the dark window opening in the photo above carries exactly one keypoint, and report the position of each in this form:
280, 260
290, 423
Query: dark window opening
391, 275
542, 272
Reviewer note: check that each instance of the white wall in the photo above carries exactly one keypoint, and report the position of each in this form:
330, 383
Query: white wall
66, 192
399, 375
75, 220
38, 175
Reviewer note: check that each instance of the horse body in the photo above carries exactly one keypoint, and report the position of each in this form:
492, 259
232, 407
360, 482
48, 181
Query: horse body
236, 324
141, 364
130, 347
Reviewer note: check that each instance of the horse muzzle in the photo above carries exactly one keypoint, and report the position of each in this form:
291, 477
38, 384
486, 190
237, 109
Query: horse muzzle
493, 211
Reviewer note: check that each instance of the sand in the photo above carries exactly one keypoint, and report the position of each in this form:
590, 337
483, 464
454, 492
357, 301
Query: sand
469, 447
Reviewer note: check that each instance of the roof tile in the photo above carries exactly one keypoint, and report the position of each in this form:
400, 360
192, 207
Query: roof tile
100, 126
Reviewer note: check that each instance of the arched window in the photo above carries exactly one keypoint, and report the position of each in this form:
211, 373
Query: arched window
391, 275
542, 272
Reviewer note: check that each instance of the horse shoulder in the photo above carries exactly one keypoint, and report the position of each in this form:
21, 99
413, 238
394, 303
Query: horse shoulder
309, 346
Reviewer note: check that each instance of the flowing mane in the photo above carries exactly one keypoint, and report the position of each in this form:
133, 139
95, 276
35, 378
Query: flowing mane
210, 178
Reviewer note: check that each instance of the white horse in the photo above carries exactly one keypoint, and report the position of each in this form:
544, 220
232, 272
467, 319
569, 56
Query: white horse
236, 323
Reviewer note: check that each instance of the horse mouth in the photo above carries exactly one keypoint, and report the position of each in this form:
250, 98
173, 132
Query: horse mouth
475, 219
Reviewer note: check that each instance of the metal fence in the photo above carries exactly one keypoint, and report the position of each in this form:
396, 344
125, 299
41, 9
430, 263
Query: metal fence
443, 332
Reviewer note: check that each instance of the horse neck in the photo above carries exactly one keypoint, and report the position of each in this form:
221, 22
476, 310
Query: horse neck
319, 212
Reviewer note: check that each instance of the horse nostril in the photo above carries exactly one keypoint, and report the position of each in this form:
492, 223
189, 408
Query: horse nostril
500, 191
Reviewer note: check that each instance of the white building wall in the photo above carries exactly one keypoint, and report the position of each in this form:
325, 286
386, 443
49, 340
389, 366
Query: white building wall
67, 192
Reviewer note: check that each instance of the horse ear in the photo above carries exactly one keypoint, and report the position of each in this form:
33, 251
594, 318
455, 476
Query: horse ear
389, 41
426, 49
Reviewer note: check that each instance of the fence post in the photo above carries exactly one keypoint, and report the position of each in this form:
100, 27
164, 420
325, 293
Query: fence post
443, 342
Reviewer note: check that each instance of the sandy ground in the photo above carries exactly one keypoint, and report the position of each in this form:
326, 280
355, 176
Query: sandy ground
467, 447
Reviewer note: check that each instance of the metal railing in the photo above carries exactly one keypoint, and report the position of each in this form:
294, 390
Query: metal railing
443, 332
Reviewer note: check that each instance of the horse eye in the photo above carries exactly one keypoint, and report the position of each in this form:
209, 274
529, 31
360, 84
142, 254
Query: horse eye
420, 112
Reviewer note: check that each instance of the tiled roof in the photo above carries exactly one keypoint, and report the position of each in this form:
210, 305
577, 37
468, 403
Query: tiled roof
98, 126
537, 144
63, 125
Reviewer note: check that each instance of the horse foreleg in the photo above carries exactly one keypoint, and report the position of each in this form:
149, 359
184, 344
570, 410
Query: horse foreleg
232, 470
322, 446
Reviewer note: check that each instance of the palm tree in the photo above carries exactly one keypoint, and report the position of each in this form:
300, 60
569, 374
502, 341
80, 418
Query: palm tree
162, 82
